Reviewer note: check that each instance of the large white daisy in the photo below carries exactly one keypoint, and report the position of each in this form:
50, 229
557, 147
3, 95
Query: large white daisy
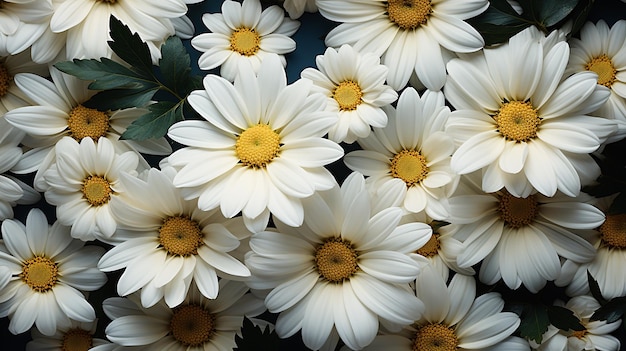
340, 272
86, 23
78, 336
18, 15
82, 181
410, 35
259, 147
603, 50
244, 32
47, 270
522, 124
355, 86
409, 159
520, 240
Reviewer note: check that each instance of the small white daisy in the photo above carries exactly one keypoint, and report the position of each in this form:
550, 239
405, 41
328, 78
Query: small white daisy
410, 35
244, 32
355, 86
410, 157
78, 336
47, 270
15, 15
340, 272
260, 147
296, 8
198, 324
519, 122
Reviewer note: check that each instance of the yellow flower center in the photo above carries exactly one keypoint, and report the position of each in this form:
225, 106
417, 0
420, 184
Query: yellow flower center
77, 340
336, 260
181, 236
87, 122
192, 325
435, 337
5, 79
257, 146
409, 14
431, 248
410, 166
579, 333
518, 121
348, 95
517, 212
603, 66
96, 190
40, 273
245, 41
613, 231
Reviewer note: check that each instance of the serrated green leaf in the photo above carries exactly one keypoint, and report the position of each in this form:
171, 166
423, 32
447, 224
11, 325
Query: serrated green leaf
175, 66
254, 339
105, 74
499, 22
116, 99
551, 12
534, 322
595, 289
612, 311
155, 123
564, 318
129, 46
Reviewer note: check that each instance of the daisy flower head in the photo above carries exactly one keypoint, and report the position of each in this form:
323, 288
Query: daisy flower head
409, 35
259, 147
78, 336
602, 50
342, 271
454, 319
355, 86
15, 15
519, 122
595, 336
296, 8
47, 270
244, 32
521, 240
86, 24
197, 324
410, 157
11, 96
165, 242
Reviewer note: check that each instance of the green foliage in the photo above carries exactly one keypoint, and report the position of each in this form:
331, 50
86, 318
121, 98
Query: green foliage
611, 310
613, 179
255, 339
534, 322
136, 84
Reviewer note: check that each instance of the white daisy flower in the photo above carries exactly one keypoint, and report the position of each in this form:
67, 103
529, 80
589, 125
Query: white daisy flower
355, 86
82, 182
86, 23
602, 50
521, 240
410, 35
58, 112
519, 122
260, 147
165, 242
340, 272
78, 336
15, 15
199, 323
296, 8
11, 96
454, 319
595, 336
244, 32
409, 159
47, 270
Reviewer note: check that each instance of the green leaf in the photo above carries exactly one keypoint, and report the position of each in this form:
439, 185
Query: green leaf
564, 318
255, 339
175, 66
580, 14
595, 289
612, 311
155, 123
105, 74
129, 46
551, 12
535, 322
499, 22
117, 99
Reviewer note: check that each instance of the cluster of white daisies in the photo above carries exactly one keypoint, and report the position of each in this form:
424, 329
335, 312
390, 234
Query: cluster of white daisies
494, 142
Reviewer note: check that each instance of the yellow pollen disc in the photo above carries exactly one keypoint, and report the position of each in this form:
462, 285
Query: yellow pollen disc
410, 166
348, 95
409, 14
435, 337
579, 333
180, 236
336, 260
613, 231
5, 79
518, 121
77, 340
517, 212
40, 273
603, 66
87, 122
431, 248
192, 325
245, 41
96, 190
257, 145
